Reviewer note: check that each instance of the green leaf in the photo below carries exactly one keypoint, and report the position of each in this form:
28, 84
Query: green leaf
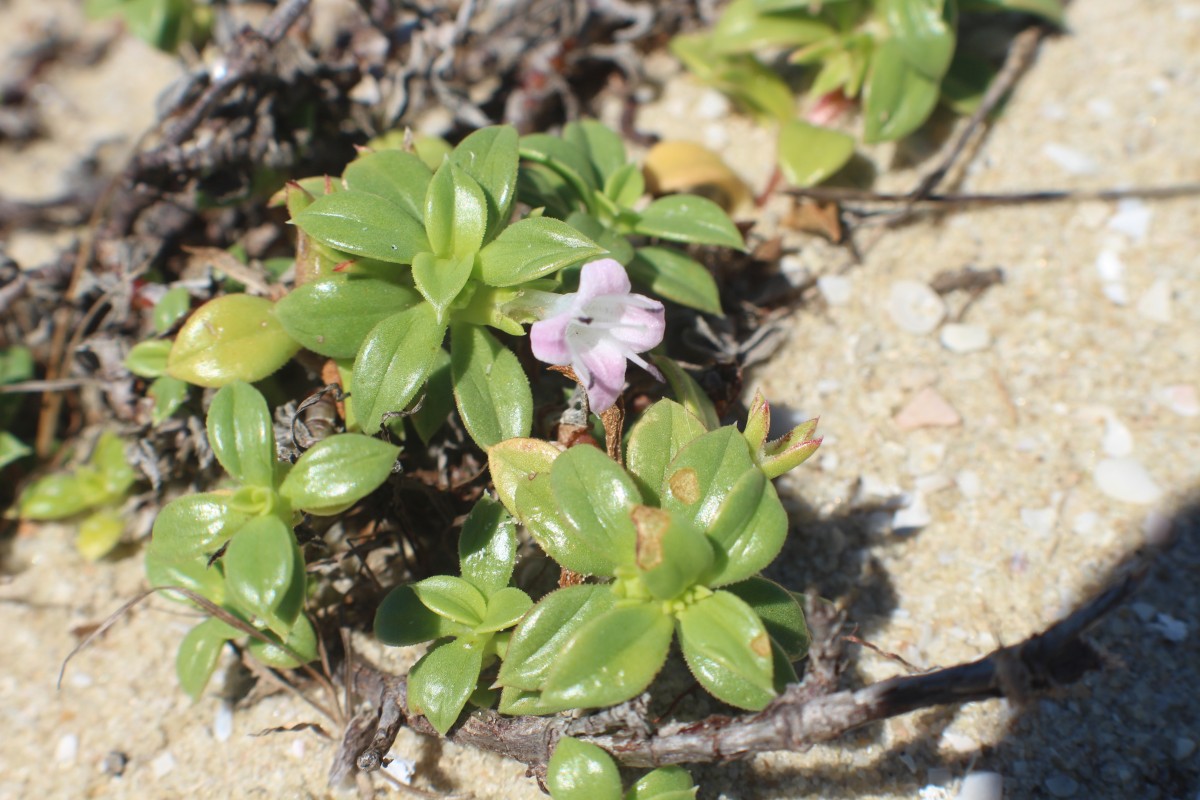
924, 32
610, 659
809, 154
264, 573
541, 187
595, 497
582, 771
441, 279
440, 683
781, 615
896, 98
171, 308
301, 639
673, 276
690, 219
603, 234
490, 156
714, 483
565, 159
241, 434
671, 553
438, 399
742, 29
402, 619
453, 598
728, 650
148, 359
99, 534
487, 546
110, 460
688, 392
54, 497
366, 225
393, 363
654, 441
664, 783
752, 84
966, 82
493, 395
337, 472
533, 248
193, 527
198, 655
625, 186
504, 609
333, 316
233, 337
515, 464
538, 642
12, 449
168, 394
600, 144
194, 575
399, 177
456, 214
1049, 10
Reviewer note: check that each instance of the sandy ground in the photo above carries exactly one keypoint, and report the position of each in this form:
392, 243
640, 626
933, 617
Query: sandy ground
1089, 360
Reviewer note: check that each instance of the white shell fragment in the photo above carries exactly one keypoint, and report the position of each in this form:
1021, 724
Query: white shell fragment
982, 786
1070, 160
1182, 399
1118, 441
835, 289
1126, 480
1132, 219
961, 338
1112, 277
914, 307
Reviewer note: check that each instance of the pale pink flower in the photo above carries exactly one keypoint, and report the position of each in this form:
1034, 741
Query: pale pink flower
597, 329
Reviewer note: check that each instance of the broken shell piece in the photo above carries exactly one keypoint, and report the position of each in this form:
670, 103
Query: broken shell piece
927, 409
675, 166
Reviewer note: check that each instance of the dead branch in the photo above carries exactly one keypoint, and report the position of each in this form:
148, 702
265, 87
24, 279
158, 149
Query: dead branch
799, 718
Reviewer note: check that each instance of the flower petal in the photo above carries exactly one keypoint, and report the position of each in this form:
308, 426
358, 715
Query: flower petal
604, 366
602, 277
548, 337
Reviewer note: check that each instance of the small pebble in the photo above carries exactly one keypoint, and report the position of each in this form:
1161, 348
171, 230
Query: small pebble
1181, 399
162, 764
712, 105
927, 409
114, 763
925, 459
1132, 219
1155, 304
956, 742
1183, 748
1069, 159
835, 289
913, 516
982, 786
1126, 480
914, 307
961, 338
1173, 630
1112, 277
402, 769
968, 483
67, 749
1061, 785
1118, 441
223, 721
1101, 107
